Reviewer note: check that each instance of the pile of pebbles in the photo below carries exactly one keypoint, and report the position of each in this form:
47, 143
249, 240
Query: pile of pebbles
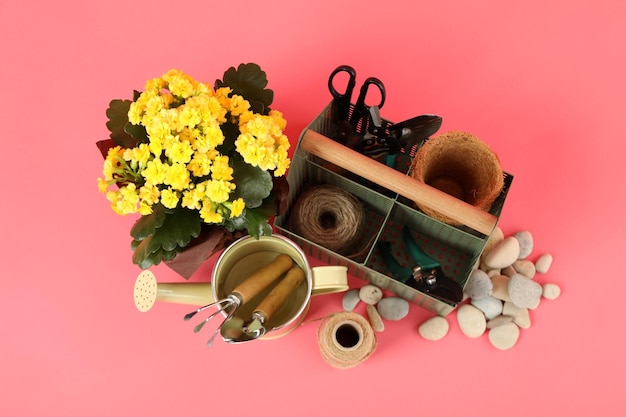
499, 295
379, 308
500, 292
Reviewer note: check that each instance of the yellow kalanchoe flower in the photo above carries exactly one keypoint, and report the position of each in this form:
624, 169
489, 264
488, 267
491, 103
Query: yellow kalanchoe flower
177, 176
218, 191
209, 215
169, 198
200, 164
220, 170
237, 208
183, 119
262, 143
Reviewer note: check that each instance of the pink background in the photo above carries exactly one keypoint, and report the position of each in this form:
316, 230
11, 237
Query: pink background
541, 81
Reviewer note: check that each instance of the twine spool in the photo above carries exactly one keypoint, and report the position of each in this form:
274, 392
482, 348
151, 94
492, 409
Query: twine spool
346, 340
329, 216
459, 164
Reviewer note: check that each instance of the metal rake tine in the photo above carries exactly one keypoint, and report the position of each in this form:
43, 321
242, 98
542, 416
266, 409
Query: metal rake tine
220, 303
203, 322
209, 343
188, 316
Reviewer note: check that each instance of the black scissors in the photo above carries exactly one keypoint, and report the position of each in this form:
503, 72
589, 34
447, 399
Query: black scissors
342, 101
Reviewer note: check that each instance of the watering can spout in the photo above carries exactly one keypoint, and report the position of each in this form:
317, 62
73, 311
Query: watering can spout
148, 291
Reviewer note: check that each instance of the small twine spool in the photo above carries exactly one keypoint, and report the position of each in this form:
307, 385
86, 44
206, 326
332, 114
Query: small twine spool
461, 165
346, 340
329, 216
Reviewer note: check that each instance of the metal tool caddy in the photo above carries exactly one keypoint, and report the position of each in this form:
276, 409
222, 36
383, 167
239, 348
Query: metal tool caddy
456, 248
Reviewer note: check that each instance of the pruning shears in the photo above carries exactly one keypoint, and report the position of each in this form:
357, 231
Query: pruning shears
426, 276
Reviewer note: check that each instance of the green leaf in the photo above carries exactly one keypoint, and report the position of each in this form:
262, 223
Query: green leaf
145, 259
178, 229
117, 113
230, 132
146, 225
252, 184
249, 81
162, 234
256, 220
138, 132
258, 223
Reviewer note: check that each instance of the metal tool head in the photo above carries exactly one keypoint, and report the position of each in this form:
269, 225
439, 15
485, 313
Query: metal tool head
225, 306
235, 330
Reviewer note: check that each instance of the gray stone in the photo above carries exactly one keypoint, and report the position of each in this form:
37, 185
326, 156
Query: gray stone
478, 285
350, 300
370, 294
526, 243
524, 292
490, 306
393, 308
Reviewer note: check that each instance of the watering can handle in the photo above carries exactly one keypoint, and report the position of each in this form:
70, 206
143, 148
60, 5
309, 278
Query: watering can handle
436, 200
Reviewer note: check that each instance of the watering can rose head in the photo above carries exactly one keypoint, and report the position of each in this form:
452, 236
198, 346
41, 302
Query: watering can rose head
189, 157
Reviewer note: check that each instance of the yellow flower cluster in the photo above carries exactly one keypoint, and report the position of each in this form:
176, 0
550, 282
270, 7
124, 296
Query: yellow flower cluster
180, 164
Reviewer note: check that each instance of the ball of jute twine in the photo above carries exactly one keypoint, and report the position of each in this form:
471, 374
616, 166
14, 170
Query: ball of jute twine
345, 339
460, 164
329, 216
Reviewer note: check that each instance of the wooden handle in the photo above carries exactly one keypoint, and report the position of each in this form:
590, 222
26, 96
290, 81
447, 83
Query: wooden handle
398, 182
263, 278
280, 293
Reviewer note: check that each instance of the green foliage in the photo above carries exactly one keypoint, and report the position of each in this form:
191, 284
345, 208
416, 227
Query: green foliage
123, 133
162, 234
249, 81
253, 184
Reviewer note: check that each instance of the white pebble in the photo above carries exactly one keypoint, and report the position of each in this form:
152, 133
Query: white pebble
370, 294
393, 308
503, 254
500, 287
375, 320
490, 306
472, 321
494, 239
478, 285
521, 316
524, 292
494, 272
505, 336
551, 291
543, 263
526, 243
350, 300
525, 267
435, 328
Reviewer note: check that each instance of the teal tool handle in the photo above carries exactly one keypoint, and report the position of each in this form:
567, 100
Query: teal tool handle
416, 252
